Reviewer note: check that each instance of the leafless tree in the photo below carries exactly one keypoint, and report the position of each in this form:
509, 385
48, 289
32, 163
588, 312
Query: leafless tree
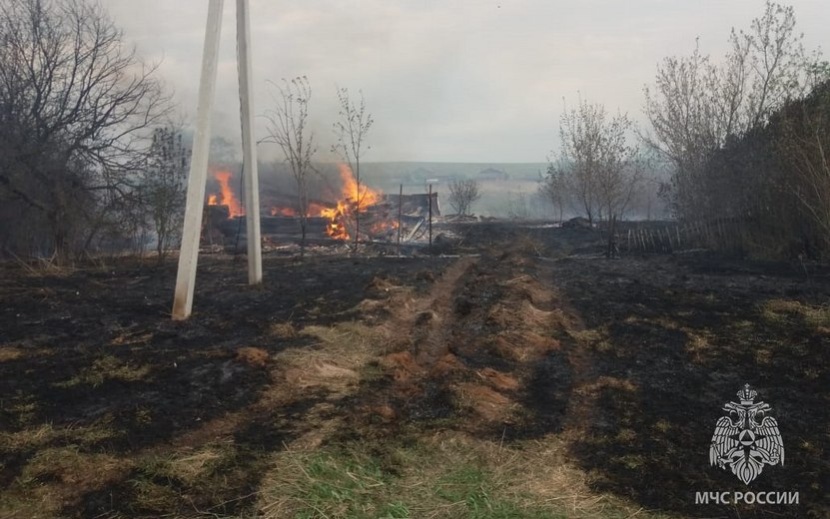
696, 104
462, 195
554, 188
803, 140
76, 106
163, 187
595, 165
351, 129
287, 127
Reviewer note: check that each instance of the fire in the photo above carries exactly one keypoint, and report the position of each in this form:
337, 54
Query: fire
340, 216
283, 211
227, 196
314, 209
352, 200
365, 198
337, 221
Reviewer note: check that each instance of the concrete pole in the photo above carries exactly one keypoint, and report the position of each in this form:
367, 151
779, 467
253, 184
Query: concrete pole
246, 105
189, 253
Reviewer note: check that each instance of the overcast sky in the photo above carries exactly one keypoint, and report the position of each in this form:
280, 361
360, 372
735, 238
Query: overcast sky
457, 81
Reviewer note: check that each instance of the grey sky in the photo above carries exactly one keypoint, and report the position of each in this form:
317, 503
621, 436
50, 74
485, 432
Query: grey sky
467, 81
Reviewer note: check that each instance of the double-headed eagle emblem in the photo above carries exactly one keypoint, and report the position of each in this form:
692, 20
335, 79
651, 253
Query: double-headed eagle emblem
746, 439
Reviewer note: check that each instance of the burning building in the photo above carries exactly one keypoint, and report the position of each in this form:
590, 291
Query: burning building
226, 196
355, 210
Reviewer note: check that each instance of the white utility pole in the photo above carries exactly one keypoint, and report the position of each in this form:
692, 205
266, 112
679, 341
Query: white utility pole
246, 105
191, 233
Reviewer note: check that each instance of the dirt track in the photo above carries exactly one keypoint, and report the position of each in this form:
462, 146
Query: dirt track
535, 340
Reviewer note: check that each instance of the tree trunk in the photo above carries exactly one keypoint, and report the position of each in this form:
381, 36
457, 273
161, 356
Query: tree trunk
357, 210
160, 247
61, 242
303, 227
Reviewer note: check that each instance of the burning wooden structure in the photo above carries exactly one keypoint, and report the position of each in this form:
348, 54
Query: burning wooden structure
374, 216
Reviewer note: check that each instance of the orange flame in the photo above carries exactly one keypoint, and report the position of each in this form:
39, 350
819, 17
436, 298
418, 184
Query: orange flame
283, 211
314, 209
342, 214
337, 221
227, 196
353, 200
365, 198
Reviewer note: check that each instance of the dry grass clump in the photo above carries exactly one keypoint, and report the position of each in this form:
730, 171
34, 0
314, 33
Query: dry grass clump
189, 465
338, 355
43, 435
254, 357
284, 331
596, 339
9, 353
779, 311
106, 368
698, 343
54, 477
45, 267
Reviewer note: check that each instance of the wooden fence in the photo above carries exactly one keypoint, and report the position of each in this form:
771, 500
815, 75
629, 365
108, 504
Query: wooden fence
723, 234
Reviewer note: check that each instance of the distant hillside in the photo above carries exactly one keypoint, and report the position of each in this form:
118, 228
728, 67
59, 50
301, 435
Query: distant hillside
507, 189
417, 173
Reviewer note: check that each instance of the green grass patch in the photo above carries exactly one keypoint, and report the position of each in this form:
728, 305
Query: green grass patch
452, 477
345, 484
473, 491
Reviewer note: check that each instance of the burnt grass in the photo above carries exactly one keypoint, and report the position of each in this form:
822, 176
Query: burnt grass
687, 333
653, 347
62, 326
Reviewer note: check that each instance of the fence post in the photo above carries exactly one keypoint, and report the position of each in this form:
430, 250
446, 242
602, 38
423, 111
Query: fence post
430, 218
400, 214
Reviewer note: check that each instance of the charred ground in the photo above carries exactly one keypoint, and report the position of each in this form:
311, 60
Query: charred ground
526, 377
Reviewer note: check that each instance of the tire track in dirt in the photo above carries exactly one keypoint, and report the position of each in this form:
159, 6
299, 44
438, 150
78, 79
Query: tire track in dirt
480, 349
587, 383
423, 326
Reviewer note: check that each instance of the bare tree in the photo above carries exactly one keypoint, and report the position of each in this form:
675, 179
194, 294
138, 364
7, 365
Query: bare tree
76, 106
696, 105
287, 126
595, 162
163, 187
803, 140
351, 131
554, 188
681, 115
462, 195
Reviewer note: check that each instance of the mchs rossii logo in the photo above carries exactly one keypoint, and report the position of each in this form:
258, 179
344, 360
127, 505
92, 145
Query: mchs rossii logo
747, 438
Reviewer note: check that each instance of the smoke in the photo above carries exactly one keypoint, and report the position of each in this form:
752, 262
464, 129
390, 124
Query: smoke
445, 81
